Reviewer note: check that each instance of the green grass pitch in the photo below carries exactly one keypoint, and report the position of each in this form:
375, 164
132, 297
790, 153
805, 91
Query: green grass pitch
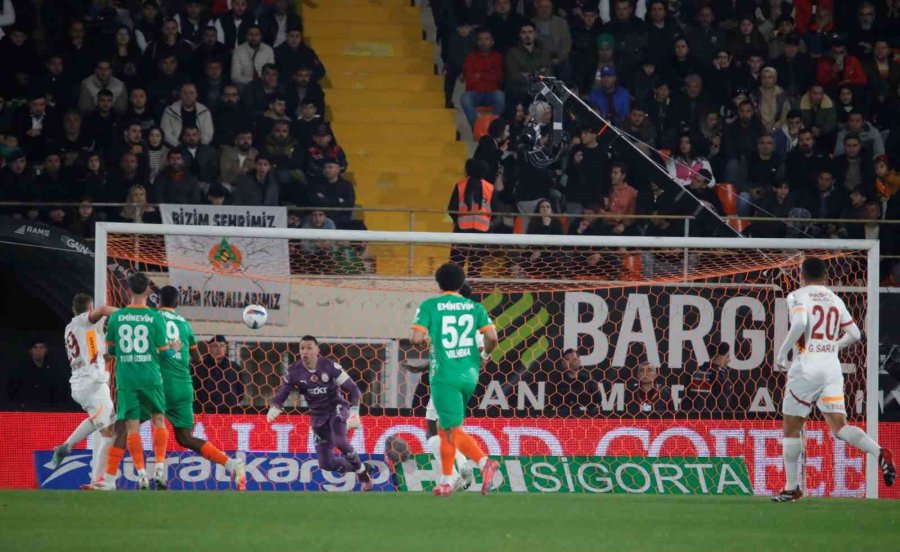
226, 521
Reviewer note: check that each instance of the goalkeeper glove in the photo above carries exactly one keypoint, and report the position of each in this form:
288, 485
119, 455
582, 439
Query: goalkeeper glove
353, 422
274, 412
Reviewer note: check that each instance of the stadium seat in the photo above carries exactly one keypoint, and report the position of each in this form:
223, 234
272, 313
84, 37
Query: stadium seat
519, 225
480, 128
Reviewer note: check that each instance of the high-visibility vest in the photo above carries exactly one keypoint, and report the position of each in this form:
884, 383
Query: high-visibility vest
479, 217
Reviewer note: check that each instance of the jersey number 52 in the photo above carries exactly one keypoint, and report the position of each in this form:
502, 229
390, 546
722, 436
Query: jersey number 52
457, 331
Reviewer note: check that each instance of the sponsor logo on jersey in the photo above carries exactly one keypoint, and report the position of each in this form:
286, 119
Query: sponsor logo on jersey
325, 378
317, 391
266, 471
314, 378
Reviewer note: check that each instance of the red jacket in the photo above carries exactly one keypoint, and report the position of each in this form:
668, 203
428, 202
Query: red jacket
853, 72
483, 72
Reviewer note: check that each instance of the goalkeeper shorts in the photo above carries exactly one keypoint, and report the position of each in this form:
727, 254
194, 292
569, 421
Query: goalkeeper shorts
132, 403
450, 401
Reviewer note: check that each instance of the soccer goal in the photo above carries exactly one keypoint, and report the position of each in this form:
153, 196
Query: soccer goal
676, 338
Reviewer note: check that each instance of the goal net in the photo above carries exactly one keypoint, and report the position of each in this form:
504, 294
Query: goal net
674, 342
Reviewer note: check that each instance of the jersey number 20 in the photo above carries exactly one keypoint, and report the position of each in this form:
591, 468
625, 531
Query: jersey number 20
831, 319
457, 331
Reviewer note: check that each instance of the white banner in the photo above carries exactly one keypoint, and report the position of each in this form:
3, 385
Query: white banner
218, 277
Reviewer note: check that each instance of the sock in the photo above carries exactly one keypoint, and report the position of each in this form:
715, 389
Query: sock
81, 432
448, 451
460, 461
213, 454
113, 459
790, 451
102, 456
858, 438
136, 449
468, 446
160, 443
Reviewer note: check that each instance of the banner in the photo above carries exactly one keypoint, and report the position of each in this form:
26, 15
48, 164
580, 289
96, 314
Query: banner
833, 468
596, 474
189, 471
212, 273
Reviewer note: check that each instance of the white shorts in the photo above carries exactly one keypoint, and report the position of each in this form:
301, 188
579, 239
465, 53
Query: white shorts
819, 385
431, 411
97, 402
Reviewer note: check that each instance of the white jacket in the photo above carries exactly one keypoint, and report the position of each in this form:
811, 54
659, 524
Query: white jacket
171, 124
243, 62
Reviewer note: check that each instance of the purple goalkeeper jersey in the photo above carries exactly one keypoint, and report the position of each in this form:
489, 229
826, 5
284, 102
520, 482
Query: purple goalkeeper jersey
321, 387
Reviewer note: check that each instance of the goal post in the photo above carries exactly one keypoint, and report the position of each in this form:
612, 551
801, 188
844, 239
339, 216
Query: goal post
620, 301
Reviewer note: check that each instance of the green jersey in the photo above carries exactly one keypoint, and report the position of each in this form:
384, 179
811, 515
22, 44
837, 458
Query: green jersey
177, 369
135, 335
452, 322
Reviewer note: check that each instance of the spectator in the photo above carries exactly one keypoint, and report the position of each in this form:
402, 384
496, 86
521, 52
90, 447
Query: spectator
645, 394
230, 117
139, 110
217, 194
35, 381
703, 204
212, 86
864, 31
470, 208
586, 169
304, 90
662, 30
705, 37
95, 182
16, 181
50, 185
725, 78
294, 54
872, 144
461, 19
505, 25
544, 223
524, 61
746, 40
643, 81
819, 114
585, 30
740, 139
334, 192
492, 145
276, 112
77, 56
101, 123
210, 49
175, 184
777, 202
825, 202
839, 68
257, 187
688, 108
630, 34
888, 183
258, 93
35, 126
685, 163
250, 57
157, 153
787, 136
759, 172
483, 75
128, 173
276, 22
187, 111
73, 139
102, 79
148, 25
169, 44
784, 32
137, 209
708, 391
323, 148
84, 219
201, 160
318, 252
572, 390
232, 27
239, 159
17, 60
192, 22
682, 64
753, 71
57, 85
657, 201
770, 100
848, 101
132, 141
553, 32
288, 159
882, 71
621, 201
795, 68
165, 88
611, 100
306, 124
606, 53
218, 381
660, 112
852, 169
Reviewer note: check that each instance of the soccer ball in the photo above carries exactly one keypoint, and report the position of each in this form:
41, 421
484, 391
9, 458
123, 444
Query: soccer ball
255, 316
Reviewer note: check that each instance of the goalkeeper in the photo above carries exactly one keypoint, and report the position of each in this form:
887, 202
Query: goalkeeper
450, 321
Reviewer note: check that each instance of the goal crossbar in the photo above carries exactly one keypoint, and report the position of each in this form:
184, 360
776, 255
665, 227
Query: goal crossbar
871, 247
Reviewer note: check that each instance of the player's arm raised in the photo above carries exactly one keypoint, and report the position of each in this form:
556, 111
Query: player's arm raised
349, 387
799, 320
852, 334
98, 313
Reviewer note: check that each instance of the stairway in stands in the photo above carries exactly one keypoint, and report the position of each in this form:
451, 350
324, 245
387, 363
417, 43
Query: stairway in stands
386, 105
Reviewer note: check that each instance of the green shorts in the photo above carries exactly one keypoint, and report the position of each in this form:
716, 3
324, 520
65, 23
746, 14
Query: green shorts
180, 404
450, 401
135, 404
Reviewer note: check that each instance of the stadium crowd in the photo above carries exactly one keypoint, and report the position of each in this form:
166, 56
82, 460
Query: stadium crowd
162, 102
753, 108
